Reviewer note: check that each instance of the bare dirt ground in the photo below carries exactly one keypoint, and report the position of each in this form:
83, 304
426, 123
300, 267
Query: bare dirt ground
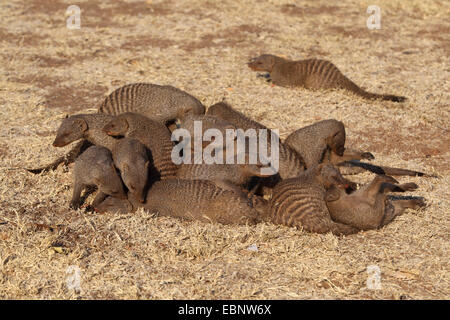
47, 71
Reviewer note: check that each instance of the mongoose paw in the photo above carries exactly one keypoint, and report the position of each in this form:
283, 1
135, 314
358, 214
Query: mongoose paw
367, 156
74, 205
410, 186
420, 202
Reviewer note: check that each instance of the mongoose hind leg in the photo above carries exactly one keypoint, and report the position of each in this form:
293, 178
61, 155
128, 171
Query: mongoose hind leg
390, 187
396, 208
375, 186
350, 154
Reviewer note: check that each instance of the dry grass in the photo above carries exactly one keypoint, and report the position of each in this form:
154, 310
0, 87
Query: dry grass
201, 47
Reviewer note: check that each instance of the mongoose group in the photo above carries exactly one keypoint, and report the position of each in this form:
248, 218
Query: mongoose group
126, 151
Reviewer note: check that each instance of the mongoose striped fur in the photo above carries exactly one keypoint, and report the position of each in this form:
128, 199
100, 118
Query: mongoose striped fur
300, 202
193, 200
154, 135
311, 74
291, 163
160, 103
369, 207
95, 167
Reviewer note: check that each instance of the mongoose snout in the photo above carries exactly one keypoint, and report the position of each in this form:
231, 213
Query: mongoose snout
261, 63
131, 158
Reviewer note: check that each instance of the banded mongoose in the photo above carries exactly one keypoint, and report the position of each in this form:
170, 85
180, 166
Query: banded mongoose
369, 207
154, 135
160, 103
323, 142
131, 158
82, 126
95, 167
194, 200
300, 202
291, 164
311, 74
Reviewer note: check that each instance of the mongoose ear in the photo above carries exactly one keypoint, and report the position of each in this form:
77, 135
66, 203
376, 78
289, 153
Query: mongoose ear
66, 116
183, 111
332, 194
82, 124
147, 164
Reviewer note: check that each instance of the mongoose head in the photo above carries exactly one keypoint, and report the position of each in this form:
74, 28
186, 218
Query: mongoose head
135, 178
71, 129
329, 176
131, 158
114, 205
264, 62
336, 140
117, 127
109, 182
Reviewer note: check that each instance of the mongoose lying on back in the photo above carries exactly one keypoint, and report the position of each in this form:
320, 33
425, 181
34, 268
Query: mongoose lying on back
300, 202
311, 74
95, 167
369, 207
131, 158
154, 135
160, 103
82, 126
193, 200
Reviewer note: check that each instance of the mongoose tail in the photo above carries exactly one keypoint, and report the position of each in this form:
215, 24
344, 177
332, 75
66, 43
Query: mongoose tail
66, 159
383, 169
353, 87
